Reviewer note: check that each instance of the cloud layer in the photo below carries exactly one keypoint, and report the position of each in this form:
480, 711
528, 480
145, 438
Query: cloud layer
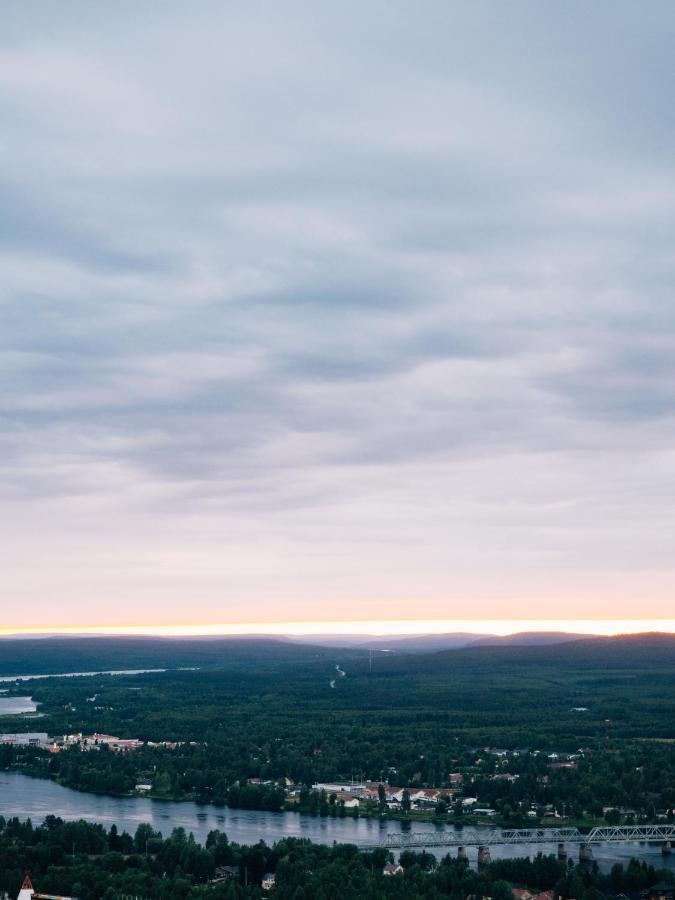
320, 312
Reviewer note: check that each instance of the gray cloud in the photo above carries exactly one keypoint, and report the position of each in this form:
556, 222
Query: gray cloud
322, 309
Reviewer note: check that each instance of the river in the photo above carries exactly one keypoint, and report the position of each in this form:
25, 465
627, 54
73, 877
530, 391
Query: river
33, 798
12, 706
13, 678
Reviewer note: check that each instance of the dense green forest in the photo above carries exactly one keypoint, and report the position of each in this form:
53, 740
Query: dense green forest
88, 862
272, 714
46, 656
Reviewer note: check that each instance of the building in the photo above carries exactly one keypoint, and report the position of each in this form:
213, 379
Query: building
268, 882
222, 873
337, 787
26, 739
394, 796
424, 799
660, 891
393, 869
114, 743
27, 892
96, 741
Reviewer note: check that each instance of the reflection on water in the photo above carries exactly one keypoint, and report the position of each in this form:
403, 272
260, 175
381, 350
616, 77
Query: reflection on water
35, 798
12, 706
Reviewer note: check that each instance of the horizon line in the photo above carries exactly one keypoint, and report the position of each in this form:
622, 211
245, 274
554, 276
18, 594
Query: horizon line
371, 627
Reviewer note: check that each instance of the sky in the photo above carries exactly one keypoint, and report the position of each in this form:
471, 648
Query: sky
324, 313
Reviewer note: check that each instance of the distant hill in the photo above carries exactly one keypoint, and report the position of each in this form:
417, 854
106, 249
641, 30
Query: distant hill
404, 643
54, 655
634, 651
530, 638
419, 643
50, 655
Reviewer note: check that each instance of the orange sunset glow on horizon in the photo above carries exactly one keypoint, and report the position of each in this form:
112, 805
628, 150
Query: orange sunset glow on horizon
379, 628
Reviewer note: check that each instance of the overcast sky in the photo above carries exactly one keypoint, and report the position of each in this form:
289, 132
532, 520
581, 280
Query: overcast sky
336, 311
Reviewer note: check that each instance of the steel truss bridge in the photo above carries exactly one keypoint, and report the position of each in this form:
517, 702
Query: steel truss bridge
473, 837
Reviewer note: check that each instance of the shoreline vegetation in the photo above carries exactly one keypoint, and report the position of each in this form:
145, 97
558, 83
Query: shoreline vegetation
91, 862
321, 807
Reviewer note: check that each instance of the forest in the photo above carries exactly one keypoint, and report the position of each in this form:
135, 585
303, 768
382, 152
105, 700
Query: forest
91, 863
282, 714
55, 655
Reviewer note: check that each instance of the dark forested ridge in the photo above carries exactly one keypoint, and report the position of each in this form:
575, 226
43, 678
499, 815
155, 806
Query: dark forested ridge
54, 655
26, 656
641, 651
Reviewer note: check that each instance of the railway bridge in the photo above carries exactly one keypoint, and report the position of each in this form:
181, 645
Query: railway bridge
485, 838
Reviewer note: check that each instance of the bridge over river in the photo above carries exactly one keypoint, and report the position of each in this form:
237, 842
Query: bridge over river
486, 838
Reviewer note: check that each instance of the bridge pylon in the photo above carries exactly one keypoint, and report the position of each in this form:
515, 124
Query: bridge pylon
667, 848
585, 853
562, 851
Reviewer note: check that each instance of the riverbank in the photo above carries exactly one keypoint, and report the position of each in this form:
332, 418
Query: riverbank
329, 811
93, 861
326, 810
30, 798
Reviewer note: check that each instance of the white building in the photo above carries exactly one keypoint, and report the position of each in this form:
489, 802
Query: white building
26, 739
393, 869
28, 893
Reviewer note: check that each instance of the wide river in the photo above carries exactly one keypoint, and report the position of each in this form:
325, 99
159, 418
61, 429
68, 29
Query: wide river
32, 798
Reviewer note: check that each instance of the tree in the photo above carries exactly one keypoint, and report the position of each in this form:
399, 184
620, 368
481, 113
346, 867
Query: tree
441, 808
144, 834
162, 783
501, 890
405, 801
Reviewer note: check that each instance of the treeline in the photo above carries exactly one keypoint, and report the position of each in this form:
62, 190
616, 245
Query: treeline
89, 862
45, 656
637, 777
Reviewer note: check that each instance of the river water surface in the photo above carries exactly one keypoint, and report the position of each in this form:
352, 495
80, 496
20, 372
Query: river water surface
33, 798
12, 678
12, 706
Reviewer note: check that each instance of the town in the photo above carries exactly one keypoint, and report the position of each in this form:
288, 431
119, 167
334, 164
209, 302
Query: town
474, 794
